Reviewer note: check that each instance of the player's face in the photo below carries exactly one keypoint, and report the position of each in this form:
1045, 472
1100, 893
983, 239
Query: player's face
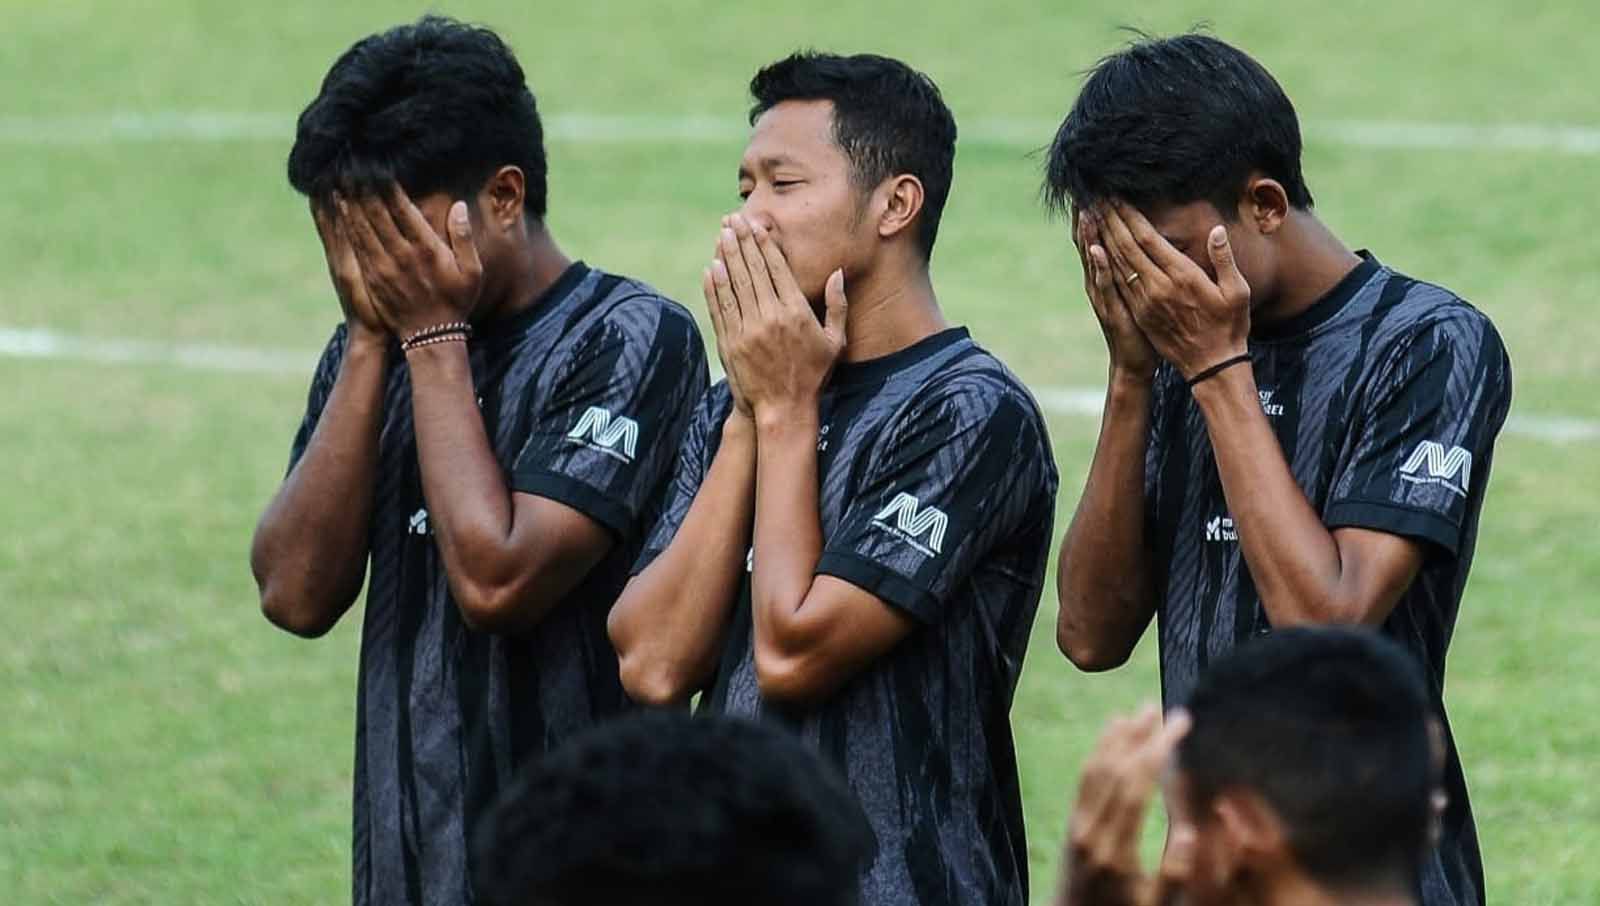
795, 181
1188, 227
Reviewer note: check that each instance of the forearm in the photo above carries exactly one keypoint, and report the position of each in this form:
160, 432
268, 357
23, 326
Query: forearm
1102, 577
668, 624
310, 548
469, 502
788, 527
1293, 559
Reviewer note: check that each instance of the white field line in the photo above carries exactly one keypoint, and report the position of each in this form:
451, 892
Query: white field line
219, 126
49, 344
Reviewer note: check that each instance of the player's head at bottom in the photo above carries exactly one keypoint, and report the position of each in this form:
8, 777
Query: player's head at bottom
1314, 759
667, 809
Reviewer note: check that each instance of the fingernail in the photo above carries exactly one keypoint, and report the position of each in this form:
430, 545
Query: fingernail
1219, 235
727, 235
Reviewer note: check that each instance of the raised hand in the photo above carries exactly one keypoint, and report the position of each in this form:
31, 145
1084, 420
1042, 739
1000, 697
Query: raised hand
781, 355
723, 307
1193, 322
1130, 349
345, 271
1101, 862
415, 278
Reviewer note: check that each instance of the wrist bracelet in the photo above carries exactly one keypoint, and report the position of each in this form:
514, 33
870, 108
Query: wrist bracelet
1216, 369
454, 336
460, 327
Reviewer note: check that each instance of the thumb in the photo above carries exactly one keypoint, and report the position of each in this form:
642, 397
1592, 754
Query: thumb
466, 251
1234, 287
837, 307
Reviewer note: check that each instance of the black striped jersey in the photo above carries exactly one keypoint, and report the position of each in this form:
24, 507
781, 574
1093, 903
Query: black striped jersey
1386, 397
585, 396
937, 495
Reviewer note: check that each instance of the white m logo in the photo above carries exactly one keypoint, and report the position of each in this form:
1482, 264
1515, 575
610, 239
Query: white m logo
1442, 466
911, 520
599, 429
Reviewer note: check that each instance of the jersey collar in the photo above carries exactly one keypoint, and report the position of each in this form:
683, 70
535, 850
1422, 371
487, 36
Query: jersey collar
518, 324
1324, 308
870, 371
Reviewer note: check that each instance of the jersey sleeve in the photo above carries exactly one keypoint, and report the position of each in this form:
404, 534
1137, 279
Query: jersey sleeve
951, 478
603, 430
1419, 459
689, 470
322, 381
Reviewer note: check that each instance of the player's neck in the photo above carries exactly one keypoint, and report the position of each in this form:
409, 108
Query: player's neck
890, 310
536, 268
1315, 260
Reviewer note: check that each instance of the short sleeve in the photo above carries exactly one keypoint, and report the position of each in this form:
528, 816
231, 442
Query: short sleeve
1419, 459
322, 381
952, 477
700, 442
603, 431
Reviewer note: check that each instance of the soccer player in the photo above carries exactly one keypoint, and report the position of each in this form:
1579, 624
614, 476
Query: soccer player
897, 478
664, 809
1294, 432
1304, 770
488, 425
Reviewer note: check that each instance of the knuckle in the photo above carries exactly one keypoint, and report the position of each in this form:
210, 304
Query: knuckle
1081, 838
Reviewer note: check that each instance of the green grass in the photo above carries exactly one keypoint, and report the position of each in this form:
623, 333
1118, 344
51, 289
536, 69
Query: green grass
161, 744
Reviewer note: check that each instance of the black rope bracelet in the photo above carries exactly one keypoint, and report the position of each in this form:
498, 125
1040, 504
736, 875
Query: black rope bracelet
1216, 369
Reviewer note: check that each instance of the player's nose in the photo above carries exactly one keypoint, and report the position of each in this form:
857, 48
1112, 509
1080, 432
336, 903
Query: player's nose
757, 213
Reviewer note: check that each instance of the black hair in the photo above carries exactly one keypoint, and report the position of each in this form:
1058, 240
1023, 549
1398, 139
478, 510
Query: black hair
662, 808
1172, 121
1330, 727
887, 118
437, 106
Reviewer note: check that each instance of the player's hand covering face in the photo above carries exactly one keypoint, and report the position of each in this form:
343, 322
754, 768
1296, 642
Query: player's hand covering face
1191, 320
775, 351
345, 270
1130, 348
416, 278
1101, 859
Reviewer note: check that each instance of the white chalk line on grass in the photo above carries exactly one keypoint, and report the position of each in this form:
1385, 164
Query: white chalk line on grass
221, 126
48, 344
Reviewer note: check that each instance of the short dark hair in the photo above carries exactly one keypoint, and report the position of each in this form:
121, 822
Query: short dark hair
1330, 727
662, 808
1172, 121
887, 118
437, 106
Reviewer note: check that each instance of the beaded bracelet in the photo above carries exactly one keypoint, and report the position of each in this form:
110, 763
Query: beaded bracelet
460, 327
454, 336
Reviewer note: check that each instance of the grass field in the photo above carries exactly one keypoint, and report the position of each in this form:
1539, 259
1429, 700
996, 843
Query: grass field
160, 743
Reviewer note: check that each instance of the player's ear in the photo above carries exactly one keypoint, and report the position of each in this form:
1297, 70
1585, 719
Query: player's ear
1265, 204
1253, 831
901, 201
501, 199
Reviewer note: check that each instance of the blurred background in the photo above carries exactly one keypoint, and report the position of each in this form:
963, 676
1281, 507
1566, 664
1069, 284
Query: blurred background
163, 298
